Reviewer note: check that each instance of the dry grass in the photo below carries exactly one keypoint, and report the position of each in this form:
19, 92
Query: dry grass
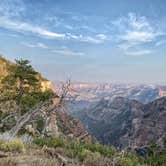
13, 146
28, 161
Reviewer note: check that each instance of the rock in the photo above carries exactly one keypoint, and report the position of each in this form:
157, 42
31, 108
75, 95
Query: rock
2, 154
31, 130
64, 161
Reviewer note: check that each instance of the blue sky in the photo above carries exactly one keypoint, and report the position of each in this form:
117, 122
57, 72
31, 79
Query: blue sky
87, 40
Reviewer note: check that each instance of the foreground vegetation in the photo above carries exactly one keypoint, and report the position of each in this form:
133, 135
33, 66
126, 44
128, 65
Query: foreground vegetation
59, 149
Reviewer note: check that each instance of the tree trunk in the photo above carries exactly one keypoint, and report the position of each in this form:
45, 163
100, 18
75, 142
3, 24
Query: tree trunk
27, 116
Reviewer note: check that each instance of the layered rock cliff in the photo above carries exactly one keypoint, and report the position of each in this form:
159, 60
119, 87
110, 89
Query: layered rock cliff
126, 123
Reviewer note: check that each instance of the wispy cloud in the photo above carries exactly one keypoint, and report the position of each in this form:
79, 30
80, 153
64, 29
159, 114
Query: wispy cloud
138, 36
14, 16
60, 51
25, 27
138, 52
99, 38
36, 30
12, 8
67, 52
37, 45
133, 31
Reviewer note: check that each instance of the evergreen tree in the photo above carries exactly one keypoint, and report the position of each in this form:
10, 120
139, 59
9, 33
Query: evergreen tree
21, 84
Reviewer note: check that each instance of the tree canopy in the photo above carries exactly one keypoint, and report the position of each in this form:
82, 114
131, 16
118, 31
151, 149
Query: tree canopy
22, 85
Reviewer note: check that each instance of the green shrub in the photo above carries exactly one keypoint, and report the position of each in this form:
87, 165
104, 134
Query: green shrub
40, 124
125, 162
156, 155
12, 146
75, 148
50, 142
3, 115
83, 154
104, 150
158, 159
128, 159
96, 159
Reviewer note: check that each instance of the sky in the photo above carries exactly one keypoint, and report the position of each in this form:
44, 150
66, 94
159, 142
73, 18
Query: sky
87, 40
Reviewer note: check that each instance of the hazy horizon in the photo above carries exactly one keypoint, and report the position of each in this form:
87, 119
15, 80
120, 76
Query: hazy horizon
87, 41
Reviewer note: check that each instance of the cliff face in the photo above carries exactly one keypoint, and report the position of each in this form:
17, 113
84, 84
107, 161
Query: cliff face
72, 127
46, 85
153, 124
4, 64
126, 123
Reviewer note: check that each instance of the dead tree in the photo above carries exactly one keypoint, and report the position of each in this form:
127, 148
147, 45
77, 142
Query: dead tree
46, 108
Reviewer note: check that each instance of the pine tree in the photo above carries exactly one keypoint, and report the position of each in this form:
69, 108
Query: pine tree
20, 84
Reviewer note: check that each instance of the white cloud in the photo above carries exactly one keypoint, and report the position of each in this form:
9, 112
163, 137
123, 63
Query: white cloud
67, 52
97, 39
125, 45
36, 30
133, 31
61, 51
138, 36
138, 52
25, 27
101, 36
12, 12
38, 45
90, 39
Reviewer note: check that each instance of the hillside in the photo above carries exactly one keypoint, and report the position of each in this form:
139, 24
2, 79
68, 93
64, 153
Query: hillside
4, 64
60, 123
4, 71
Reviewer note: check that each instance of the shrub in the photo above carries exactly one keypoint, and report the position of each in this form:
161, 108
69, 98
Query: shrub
104, 150
50, 142
156, 160
12, 146
75, 148
96, 159
83, 154
40, 125
128, 159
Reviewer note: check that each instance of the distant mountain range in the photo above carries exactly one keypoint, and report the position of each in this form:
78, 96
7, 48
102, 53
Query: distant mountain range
142, 93
126, 123
123, 115
91, 92
87, 94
